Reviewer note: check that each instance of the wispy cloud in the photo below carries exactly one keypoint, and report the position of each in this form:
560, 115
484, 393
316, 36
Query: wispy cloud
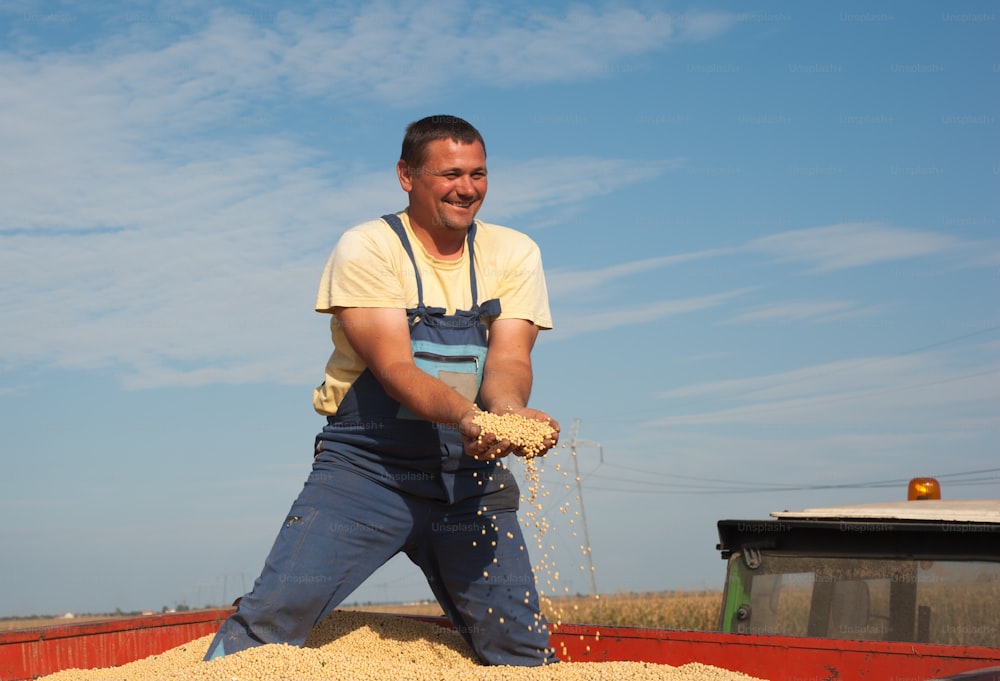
370, 53
820, 311
572, 324
856, 244
164, 297
520, 187
699, 26
828, 249
149, 200
564, 282
131, 103
981, 252
878, 393
508, 47
189, 213
871, 420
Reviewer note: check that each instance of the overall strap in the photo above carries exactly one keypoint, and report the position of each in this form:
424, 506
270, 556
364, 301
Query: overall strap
472, 263
397, 226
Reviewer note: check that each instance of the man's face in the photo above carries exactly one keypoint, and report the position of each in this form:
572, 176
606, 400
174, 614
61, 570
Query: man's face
449, 190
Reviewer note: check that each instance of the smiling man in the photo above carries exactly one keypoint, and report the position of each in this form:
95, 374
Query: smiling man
433, 318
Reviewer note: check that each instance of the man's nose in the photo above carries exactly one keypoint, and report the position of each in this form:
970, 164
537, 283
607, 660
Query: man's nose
464, 186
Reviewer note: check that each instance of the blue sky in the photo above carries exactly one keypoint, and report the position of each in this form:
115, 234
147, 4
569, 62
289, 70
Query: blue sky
770, 232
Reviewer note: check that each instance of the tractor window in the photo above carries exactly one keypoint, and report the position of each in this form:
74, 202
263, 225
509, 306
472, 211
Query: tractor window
948, 602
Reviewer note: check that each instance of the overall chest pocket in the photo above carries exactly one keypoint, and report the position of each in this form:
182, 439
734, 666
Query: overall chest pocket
458, 372
460, 367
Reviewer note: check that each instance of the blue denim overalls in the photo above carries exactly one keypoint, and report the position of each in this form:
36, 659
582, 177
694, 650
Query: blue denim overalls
384, 481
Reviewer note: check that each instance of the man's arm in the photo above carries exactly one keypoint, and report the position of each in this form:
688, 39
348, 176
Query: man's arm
507, 375
381, 337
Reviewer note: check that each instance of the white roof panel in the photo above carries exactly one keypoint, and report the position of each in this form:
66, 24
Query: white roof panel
948, 510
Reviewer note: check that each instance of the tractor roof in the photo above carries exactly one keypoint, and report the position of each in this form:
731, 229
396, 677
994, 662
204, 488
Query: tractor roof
947, 510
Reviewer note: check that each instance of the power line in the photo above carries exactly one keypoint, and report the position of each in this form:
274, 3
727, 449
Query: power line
691, 477
961, 479
679, 491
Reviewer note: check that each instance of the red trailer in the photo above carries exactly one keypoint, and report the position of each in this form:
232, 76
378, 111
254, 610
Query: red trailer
29, 653
906, 590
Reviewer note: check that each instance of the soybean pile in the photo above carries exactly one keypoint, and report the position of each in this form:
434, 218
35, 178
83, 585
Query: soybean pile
375, 647
364, 646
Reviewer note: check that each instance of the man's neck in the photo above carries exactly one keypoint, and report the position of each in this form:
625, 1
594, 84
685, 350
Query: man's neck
442, 243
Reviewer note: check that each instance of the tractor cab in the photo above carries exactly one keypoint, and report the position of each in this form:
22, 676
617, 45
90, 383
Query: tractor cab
924, 570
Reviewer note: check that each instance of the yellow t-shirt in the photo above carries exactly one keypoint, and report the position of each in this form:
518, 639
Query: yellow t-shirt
370, 268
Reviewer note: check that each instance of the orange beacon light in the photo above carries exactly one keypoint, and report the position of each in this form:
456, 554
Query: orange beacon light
923, 488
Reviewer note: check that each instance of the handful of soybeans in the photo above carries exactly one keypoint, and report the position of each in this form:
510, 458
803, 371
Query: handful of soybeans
529, 435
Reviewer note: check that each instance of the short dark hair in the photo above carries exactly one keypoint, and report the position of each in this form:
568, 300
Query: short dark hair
421, 133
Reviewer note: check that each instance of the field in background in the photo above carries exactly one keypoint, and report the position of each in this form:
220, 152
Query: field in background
692, 610
32, 622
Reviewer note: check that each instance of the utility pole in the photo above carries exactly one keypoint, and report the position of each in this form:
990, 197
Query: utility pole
583, 512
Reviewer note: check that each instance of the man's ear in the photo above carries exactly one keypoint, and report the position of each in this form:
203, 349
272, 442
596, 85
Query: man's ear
403, 172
